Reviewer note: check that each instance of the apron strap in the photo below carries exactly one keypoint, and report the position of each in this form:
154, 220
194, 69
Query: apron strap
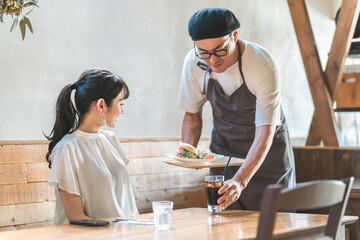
210, 76
207, 70
203, 66
240, 62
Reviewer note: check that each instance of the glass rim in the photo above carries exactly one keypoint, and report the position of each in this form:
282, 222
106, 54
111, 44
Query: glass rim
215, 177
163, 202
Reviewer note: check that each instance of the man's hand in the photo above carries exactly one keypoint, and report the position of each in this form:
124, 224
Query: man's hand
231, 191
255, 157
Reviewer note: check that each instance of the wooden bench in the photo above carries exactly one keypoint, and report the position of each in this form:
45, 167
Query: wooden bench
26, 200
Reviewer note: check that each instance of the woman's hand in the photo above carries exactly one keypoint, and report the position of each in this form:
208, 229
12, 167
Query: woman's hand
231, 191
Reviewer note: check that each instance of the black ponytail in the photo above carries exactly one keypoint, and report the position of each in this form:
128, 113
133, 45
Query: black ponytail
92, 85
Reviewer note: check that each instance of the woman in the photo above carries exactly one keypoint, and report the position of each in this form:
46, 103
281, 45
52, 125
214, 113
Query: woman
88, 166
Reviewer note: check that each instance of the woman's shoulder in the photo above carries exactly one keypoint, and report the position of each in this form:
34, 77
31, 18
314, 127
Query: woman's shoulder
111, 136
108, 133
66, 143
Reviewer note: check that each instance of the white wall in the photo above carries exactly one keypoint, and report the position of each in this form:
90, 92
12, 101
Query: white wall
144, 42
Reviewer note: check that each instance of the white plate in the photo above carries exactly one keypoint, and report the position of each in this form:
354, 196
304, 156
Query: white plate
188, 160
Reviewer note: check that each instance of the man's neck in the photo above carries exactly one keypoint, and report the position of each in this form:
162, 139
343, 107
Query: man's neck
235, 56
240, 43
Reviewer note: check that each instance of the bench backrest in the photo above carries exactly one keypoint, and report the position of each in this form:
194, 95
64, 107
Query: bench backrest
26, 200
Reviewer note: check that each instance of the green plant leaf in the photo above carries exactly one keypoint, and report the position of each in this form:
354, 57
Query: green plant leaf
14, 24
28, 4
22, 28
28, 23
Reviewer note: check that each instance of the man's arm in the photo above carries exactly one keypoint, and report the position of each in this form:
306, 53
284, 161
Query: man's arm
73, 206
191, 128
259, 149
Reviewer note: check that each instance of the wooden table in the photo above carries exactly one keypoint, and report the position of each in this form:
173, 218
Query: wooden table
189, 223
198, 165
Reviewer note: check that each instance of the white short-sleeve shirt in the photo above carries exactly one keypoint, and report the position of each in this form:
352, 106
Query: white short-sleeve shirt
92, 166
261, 77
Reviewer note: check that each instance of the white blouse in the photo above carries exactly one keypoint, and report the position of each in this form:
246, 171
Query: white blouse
92, 166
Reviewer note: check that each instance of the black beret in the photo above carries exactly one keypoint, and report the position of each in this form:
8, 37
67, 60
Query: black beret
212, 23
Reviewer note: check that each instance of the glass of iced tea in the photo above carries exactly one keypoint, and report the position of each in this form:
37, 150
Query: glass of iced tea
212, 186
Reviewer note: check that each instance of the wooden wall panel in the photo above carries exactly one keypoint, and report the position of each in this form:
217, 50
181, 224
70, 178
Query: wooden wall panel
26, 193
37, 172
150, 165
22, 153
326, 163
29, 153
26, 213
182, 197
12, 173
166, 180
154, 149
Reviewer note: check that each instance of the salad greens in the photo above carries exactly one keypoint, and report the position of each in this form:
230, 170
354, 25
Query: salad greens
188, 153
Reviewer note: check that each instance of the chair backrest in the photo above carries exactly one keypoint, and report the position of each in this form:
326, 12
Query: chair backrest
305, 196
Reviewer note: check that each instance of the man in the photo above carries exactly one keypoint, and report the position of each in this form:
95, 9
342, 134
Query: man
242, 84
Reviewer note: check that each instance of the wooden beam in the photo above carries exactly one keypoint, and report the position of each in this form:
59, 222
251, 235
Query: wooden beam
340, 47
322, 101
314, 136
339, 50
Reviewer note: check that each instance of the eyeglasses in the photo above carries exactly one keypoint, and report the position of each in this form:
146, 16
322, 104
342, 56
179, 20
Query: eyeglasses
218, 53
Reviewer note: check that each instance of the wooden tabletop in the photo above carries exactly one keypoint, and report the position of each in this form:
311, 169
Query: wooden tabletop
189, 223
198, 165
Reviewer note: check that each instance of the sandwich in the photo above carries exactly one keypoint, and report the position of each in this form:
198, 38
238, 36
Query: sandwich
189, 151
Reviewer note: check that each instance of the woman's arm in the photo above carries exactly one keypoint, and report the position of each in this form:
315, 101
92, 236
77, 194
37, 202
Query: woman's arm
73, 206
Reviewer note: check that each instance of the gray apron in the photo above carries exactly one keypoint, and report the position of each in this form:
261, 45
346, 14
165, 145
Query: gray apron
233, 134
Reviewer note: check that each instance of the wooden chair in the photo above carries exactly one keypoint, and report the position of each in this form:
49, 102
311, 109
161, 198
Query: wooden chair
305, 196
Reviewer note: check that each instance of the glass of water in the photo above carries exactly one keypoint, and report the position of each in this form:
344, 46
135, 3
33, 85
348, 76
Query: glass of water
162, 213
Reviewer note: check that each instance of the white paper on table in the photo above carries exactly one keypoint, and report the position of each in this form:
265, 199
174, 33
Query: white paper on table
135, 221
